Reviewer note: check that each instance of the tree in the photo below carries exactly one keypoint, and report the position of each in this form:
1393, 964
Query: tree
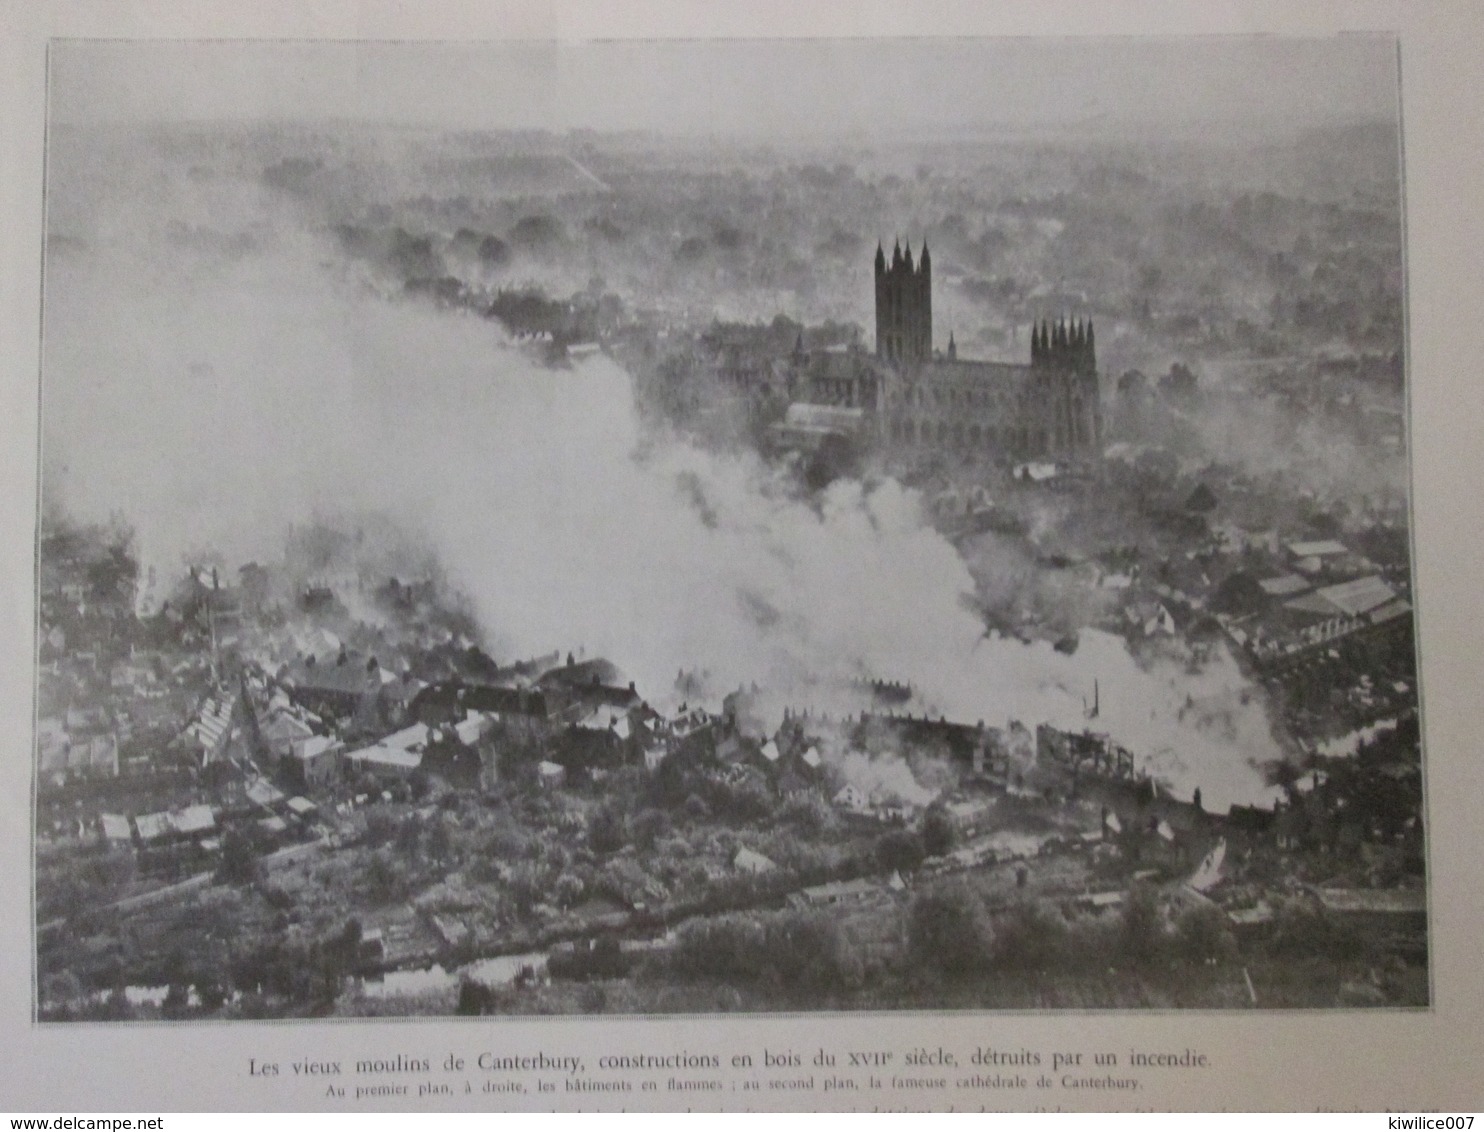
1179, 382
1032, 935
938, 832
606, 832
1142, 928
493, 251
240, 858
1202, 934
1304, 927
649, 827
900, 849
949, 929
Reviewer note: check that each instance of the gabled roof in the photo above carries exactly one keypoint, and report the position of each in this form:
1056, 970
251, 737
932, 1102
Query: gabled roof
752, 862
1320, 548
1315, 604
1359, 596
409, 738
1284, 585
1390, 611
314, 745
263, 793
193, 819
115, 826
350, 677
151, 827
390, 757
282, 725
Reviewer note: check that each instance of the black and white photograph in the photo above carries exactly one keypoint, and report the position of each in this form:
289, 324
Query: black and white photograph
699, 527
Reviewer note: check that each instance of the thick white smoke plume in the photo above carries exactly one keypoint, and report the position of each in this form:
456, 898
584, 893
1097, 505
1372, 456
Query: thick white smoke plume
218, 393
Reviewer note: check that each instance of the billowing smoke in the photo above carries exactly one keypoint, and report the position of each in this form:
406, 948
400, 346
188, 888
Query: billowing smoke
217, 391
883, 777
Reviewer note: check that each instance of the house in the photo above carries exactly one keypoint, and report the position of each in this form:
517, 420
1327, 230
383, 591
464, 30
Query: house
346, 687
1284, 585
316, 760
115, 828
281, 730
382, 762
551, 776
413, 738
153, 828
518, 714
67, 756
263, 793
837, 892
970, 816
748, 861
273, 825
193, 821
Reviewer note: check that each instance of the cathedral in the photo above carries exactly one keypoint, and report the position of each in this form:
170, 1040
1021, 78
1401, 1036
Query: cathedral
920, 399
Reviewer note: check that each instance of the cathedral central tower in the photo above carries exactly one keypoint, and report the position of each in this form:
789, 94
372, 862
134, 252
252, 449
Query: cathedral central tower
904, 307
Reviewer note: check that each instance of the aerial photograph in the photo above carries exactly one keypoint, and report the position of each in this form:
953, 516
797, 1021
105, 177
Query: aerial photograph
700, 527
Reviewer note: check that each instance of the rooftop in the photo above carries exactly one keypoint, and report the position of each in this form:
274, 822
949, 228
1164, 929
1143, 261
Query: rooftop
1320, 548
391, 757
1360, 596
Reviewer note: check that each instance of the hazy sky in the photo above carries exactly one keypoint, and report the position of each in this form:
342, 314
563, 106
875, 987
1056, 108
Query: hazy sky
747, 86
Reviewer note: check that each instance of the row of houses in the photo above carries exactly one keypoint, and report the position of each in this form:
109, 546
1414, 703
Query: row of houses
188, 823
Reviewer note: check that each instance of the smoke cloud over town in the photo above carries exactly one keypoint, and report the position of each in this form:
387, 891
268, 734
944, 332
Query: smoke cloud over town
264, 385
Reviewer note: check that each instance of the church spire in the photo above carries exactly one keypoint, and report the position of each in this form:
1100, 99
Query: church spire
907, 256
925, 263
880, 258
